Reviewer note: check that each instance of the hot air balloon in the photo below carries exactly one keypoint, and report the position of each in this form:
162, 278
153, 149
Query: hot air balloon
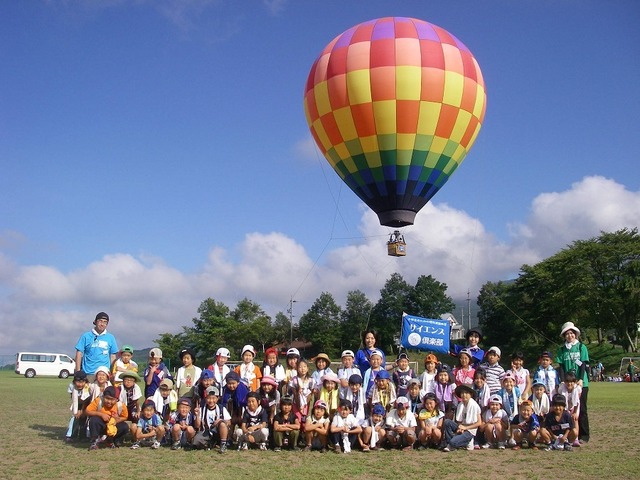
395, 104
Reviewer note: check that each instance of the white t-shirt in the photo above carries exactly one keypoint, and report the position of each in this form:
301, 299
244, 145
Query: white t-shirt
468, 414
394, 420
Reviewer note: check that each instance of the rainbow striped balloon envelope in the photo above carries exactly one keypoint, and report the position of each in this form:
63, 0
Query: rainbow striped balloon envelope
395, 104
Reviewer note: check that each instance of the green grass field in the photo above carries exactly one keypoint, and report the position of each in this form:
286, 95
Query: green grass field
34, 415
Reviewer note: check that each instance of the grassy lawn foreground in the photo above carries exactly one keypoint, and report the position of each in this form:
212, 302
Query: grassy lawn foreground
34, 414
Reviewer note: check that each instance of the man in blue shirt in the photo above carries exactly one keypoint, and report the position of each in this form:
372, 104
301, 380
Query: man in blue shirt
96, 347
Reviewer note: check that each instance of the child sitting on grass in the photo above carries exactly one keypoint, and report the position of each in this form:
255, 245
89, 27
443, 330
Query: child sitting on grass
107, 419
460, 433
557, 432
345, 428
316, 428
401, 426
182, 424
286, 426
254, 429
213, 422
496, 424
150, 431
525, 427
430, 420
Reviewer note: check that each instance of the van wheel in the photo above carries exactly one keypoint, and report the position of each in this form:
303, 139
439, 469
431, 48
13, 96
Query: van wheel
30, 373
64, 374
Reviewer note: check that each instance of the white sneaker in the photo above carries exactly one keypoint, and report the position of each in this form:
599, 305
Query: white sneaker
470, 445
511, 442
485, 445
263, 446
155, 444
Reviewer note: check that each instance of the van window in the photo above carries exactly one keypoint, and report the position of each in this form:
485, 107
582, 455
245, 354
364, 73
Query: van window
32, 357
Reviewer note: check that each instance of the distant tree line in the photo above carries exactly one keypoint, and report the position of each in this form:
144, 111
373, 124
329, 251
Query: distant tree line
594, 283
327, 326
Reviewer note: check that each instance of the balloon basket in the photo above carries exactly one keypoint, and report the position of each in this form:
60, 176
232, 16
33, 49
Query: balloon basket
396, 246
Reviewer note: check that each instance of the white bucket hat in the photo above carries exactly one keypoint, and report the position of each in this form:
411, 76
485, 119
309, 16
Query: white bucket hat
569, 326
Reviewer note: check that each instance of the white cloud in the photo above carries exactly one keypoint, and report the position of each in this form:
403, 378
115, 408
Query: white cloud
590, 206
42, 307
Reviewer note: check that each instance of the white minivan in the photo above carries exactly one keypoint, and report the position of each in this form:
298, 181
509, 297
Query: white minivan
31, 364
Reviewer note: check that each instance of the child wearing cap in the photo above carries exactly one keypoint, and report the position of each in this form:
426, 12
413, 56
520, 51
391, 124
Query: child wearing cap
401, 425
220, 367
286, 426
150, 430
323, 367
130, 395
492, 369
269, 396
376, 359
374, 433
540, 399
355, 394
496, 424
165, 400
345, 428
428, 377
123, 363
188, 374
205, 381
250, 373
234, 398
290, 369
510, 395
430, 420
107, 419
80, 398
212, 422
155, 372
254, 429
182, 425
546, 374
402, 374
383, 392
100, 382
525, 427
317, 427
557, 432
459, 433
271, 367
346, 370
329, 393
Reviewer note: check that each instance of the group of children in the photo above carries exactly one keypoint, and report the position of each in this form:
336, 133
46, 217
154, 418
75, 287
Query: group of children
303, 405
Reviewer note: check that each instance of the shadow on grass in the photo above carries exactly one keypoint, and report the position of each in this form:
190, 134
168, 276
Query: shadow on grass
51, 432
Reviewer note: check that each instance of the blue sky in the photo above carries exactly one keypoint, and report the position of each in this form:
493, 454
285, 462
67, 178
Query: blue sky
155, 153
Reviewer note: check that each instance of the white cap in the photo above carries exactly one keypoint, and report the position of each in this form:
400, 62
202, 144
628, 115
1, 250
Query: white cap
223, 352
293, 351
347, 353
248, 348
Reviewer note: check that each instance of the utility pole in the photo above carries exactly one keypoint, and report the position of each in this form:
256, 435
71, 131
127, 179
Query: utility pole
290, 311
469, 308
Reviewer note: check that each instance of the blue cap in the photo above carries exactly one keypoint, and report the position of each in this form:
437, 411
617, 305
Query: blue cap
378, 409
383, 374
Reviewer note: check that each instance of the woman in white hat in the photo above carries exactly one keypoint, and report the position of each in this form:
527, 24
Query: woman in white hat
573, 356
